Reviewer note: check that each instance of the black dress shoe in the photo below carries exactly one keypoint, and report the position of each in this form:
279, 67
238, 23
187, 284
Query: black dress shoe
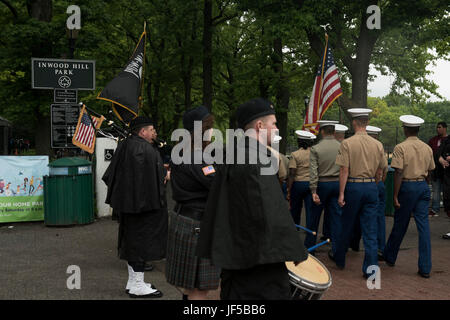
148, 267
390, 264
156, 294
365, 276
423, 275
446, 236
331, 256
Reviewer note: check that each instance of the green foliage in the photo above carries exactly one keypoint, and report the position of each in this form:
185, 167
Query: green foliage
244, 62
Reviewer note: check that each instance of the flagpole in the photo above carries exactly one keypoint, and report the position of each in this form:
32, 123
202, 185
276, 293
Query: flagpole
141, 99
321, 76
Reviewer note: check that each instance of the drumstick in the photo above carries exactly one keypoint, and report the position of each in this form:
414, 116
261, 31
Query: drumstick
305, 229
318, 245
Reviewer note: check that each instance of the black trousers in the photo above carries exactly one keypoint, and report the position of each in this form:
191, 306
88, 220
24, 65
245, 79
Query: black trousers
138, 266
262, 282
446, 190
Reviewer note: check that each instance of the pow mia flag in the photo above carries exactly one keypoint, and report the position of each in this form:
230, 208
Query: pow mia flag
125, 89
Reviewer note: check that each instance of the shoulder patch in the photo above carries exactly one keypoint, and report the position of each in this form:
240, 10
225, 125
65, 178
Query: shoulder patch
208, 170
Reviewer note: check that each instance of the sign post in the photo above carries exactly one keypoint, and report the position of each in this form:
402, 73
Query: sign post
64, 119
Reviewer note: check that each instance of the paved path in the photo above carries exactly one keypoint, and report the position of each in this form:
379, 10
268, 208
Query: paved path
34, 261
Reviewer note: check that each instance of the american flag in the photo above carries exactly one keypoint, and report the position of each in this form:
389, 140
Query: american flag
208, 170
326, 89
84, 136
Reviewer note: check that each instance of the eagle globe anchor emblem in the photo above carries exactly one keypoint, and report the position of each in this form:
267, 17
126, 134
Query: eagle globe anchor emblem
64, 82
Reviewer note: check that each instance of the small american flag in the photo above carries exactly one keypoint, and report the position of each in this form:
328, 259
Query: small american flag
84, 136
326, 89
208, 170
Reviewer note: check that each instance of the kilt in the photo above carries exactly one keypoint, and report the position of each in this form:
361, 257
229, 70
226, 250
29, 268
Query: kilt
183, 268
143, 236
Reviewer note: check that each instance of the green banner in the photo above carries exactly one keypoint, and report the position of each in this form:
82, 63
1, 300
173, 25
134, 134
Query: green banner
26, 208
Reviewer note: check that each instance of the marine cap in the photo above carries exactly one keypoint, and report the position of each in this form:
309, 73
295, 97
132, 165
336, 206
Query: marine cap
411, 121
373, 130
340, 127
305, 135
253, 109
324, 123
359, 112
277, 138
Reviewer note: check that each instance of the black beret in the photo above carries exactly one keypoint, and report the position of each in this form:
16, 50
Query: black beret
253, 109
140, 122
196, 114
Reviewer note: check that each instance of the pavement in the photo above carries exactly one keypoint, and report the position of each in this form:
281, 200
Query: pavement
36, 260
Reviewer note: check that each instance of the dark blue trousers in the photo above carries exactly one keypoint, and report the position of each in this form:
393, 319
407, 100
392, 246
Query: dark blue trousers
381, 217
328, 193
326, 226
300, 193
361, 201
381, 222
414, 197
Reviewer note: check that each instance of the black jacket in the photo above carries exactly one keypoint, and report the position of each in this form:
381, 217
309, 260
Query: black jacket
247, 220
135, 177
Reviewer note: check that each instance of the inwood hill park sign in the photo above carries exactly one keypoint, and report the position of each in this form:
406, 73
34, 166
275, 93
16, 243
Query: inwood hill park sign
65, 77
62, 74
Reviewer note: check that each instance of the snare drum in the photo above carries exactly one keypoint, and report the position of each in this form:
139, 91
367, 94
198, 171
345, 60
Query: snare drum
309, 279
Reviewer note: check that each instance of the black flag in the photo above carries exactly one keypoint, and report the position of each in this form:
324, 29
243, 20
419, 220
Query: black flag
124, 90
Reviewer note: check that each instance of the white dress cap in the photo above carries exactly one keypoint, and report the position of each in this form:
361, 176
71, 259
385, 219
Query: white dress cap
411, 121
277, 138
359, 112
373, 130
306, 135
340, 128
324, 123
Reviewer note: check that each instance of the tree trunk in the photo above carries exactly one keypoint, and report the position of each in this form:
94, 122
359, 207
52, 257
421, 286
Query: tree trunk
207, 55
282, 92
42, 11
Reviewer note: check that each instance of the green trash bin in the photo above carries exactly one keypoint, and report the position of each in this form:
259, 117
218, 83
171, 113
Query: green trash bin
389, 184
68, 193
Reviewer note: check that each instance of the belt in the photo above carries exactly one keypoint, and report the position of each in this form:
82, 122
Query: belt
328, 179
410, 180
361, 179
189, 212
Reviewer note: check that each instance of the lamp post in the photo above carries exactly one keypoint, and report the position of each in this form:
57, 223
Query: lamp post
72, 35
306, 99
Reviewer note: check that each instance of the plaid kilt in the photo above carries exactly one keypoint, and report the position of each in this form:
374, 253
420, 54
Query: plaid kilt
183, 268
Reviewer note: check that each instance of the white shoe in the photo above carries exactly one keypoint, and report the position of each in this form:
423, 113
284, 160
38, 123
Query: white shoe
131, 277
139, 289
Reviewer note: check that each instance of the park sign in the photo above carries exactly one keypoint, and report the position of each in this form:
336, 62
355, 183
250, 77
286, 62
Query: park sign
62, 74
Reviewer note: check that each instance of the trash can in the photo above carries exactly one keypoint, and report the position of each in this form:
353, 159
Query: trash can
389, 184
68, 193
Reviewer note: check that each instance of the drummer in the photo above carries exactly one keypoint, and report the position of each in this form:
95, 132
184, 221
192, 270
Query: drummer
247, 229
324, 184
362, 160
298, 181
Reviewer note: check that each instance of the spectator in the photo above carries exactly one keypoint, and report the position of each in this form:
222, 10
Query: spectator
437, 174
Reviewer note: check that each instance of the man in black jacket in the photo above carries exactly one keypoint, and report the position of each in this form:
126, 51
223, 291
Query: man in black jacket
136, 191
247, 229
